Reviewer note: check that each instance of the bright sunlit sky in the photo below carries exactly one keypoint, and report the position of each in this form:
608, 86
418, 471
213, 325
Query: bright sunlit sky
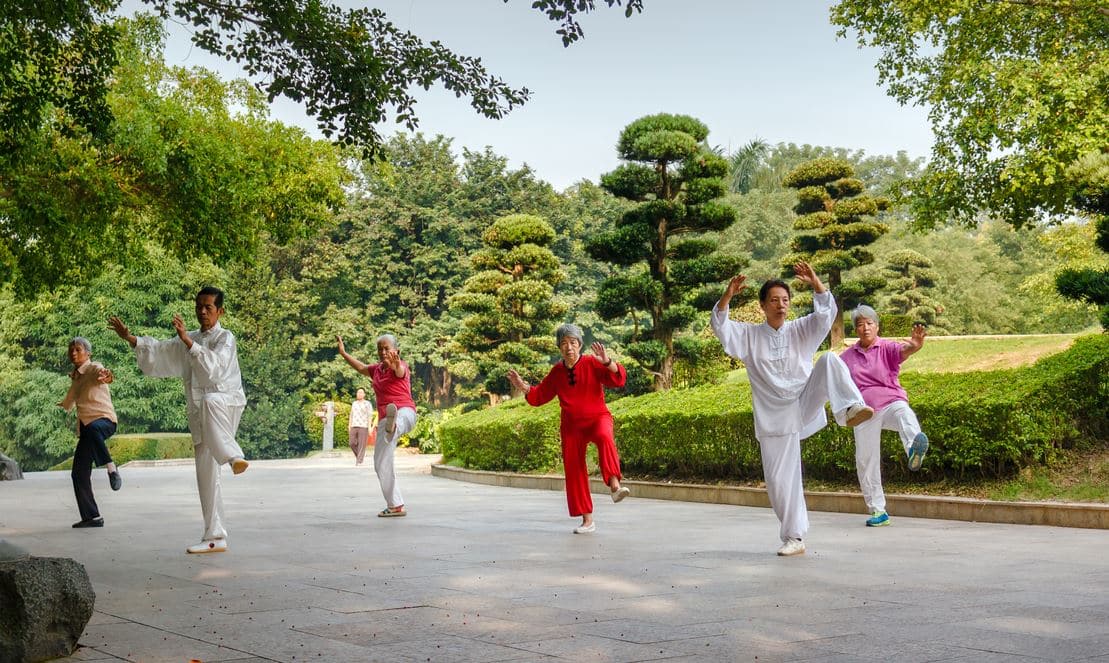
748, 69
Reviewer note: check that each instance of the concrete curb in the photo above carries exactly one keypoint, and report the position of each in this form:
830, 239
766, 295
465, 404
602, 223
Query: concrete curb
1056, 514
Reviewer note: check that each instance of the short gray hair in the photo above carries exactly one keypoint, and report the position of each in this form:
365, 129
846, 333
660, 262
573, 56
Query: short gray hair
83, 342
387, 337
568, 329
863, 311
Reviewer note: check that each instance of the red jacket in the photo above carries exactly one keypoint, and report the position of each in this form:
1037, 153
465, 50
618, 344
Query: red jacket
584, 398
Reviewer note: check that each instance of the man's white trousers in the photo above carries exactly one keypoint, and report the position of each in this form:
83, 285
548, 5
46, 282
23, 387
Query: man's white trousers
213, 424
830, 381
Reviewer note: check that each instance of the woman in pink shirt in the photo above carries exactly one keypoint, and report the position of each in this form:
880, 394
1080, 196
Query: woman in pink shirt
875, 364
392, 385
96, 422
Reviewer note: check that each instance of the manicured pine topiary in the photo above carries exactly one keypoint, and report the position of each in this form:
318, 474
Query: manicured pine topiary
835, 221
510, 304
911, 278
677, 185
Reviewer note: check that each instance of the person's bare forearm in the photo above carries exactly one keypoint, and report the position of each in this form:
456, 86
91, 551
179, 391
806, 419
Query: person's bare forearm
354, 363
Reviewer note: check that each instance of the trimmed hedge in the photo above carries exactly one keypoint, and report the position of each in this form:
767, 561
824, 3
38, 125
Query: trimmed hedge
980, 424
143, 446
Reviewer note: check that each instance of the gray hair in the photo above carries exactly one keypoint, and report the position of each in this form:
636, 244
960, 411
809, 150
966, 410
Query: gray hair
387, 337
863, 311
568, 329
83, 342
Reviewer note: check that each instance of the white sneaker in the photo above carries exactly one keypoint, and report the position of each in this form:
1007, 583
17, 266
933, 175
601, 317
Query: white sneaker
858, 413
212, 546
390, 418
620, 493
586, 529
792, 547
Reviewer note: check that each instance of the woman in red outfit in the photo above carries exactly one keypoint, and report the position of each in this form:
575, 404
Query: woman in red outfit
579, 382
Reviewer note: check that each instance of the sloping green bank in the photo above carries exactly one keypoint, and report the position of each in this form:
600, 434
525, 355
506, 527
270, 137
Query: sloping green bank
143, 446
981, 424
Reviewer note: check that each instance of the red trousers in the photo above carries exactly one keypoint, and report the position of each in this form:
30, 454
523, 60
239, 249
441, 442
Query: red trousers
576, 436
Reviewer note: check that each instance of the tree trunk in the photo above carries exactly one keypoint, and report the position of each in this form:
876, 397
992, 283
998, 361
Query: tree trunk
664, 379
439, 387
834, 281
837, 327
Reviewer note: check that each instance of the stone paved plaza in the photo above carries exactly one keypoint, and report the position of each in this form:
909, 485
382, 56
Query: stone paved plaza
481, 573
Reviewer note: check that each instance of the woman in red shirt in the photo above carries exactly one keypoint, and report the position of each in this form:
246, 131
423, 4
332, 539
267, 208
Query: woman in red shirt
579, 381
396, 411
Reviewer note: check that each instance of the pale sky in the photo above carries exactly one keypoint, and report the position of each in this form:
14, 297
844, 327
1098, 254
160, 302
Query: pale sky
771, 69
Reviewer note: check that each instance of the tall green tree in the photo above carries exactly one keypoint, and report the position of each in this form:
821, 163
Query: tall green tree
1091, 175
509, 303
835, 222
1016, 91
189, 161
676, 185
352, 69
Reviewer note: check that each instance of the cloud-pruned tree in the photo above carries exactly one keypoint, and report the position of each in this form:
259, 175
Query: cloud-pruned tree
509, 304
665, 240
836, 220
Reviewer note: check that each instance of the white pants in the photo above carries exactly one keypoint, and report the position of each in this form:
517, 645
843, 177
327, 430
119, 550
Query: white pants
896, 416
830, 381
384, 447
213, 424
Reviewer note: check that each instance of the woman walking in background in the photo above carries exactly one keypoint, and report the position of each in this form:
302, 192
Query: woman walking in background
362, 419
96, 422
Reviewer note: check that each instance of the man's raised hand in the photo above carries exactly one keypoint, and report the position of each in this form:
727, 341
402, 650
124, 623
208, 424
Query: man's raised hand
121, 330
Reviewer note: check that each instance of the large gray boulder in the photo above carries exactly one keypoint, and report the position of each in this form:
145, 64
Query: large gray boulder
45, 603
9, 469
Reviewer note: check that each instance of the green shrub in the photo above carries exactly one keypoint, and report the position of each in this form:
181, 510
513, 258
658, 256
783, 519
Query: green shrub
142, 446
512, 437
988, 423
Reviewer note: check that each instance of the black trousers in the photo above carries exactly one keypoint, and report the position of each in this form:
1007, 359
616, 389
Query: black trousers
92, 447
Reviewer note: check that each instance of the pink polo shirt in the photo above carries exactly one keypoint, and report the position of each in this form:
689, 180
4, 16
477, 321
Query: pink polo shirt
875, 372
388, 388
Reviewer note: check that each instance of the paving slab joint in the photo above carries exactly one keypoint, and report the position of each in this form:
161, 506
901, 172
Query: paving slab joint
1056, 514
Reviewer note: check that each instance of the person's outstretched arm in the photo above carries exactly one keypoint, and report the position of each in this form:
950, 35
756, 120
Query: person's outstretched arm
614, 374
817, 324
362, 368
122, 331
729, 332
156, 359
915, 342
539, 395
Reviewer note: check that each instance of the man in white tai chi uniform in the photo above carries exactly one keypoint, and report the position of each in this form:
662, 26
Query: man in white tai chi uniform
208, 362
789, 392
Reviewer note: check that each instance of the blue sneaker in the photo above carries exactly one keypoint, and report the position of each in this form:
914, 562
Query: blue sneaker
917, 450
878, 519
